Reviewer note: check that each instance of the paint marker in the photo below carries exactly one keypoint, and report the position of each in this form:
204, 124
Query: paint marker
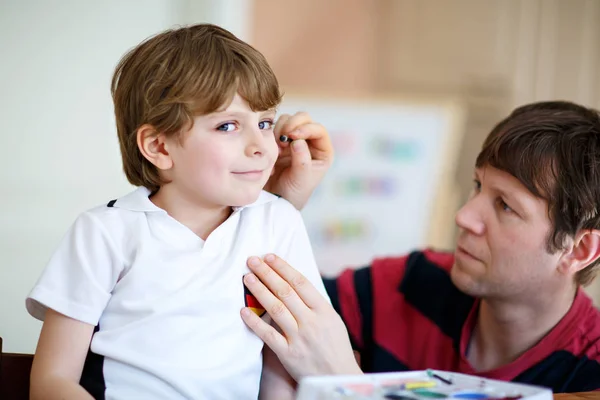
397, 396
284, 139
430, 394
432, 374
418, 385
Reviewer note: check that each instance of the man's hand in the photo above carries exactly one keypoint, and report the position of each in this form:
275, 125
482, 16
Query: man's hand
302, 164
313, 338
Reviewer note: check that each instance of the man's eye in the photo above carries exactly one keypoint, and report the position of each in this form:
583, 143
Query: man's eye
268, 124
504, 206
227, 127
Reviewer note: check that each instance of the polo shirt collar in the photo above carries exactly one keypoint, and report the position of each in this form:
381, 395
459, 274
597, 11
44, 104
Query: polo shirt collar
138, 201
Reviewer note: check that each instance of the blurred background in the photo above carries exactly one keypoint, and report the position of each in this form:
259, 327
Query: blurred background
446, 70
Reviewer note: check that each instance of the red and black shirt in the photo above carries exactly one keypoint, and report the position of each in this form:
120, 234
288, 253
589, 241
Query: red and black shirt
406, 314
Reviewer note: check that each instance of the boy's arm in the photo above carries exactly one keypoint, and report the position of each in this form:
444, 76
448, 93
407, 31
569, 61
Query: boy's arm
275, 382
59, 358
70, 298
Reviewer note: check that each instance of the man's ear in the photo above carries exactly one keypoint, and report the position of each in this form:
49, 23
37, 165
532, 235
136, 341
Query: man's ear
586, 250
153, 147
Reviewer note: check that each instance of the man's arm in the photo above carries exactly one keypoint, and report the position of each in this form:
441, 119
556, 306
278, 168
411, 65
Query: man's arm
275, 383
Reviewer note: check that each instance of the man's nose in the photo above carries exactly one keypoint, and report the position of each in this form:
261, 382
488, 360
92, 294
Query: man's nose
469, 217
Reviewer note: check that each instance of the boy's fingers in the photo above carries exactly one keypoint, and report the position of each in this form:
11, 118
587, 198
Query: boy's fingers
263, 330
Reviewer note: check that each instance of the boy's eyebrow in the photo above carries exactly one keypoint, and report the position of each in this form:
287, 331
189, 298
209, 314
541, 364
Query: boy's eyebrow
220, 113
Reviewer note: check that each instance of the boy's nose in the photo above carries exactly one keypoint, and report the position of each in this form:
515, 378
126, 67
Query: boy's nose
256, 143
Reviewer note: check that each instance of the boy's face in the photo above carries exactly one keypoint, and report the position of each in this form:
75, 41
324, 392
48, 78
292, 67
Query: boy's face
501, 247
227, 156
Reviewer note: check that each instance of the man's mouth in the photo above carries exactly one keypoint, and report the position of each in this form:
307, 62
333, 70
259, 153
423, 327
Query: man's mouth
462, 251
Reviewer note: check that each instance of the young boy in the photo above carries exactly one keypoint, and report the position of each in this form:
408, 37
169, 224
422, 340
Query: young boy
142, 297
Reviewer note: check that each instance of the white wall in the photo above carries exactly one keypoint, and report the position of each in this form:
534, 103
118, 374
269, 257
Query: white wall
61, 152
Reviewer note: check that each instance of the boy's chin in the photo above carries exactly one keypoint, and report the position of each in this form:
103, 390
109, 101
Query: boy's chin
248, 199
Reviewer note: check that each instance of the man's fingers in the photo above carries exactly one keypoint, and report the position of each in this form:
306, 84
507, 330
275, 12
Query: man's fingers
275, 340
293, 122
277, 130
301, 285
286, 296
318, 140
272, 305
300, 156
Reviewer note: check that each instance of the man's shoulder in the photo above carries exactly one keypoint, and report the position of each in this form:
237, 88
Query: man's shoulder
573, 347
440, 259
586, 340
563, 371
387, 273
423, 263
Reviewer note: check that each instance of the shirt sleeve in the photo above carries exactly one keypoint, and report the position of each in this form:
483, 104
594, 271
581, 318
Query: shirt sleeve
78, 279
295, 248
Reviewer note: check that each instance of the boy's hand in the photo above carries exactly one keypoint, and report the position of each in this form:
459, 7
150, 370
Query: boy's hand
302, 164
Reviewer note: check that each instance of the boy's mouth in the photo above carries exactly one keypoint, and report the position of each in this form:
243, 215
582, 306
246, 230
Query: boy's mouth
254, 174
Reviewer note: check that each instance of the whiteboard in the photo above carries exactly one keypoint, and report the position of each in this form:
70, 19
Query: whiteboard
390, 189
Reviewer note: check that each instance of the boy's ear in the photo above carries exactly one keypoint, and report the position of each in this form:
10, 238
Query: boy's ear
586, 250
153, 147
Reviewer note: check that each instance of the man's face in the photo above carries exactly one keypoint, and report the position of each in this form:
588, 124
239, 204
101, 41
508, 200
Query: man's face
501, 247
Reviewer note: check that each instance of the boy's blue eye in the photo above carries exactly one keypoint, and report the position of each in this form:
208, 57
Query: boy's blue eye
268, 124
226, 127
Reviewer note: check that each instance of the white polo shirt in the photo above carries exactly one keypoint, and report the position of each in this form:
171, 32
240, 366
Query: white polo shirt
165, 303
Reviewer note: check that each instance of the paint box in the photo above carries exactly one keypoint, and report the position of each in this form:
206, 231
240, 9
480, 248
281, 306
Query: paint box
416, 385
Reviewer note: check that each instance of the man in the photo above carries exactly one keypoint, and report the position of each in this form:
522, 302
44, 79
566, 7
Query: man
507, 304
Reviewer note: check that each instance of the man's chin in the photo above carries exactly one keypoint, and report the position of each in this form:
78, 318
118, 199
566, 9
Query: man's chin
463, 281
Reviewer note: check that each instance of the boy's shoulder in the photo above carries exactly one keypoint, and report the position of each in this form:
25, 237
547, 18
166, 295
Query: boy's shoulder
272, 212
120, 212
272, 203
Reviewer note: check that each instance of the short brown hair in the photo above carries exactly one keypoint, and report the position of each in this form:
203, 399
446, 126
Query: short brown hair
178, 74
553, 148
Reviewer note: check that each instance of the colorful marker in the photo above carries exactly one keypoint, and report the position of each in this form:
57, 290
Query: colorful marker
432, 374
418, 385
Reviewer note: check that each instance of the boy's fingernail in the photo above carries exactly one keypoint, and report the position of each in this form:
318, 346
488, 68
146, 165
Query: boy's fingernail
250, 278
270, 258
